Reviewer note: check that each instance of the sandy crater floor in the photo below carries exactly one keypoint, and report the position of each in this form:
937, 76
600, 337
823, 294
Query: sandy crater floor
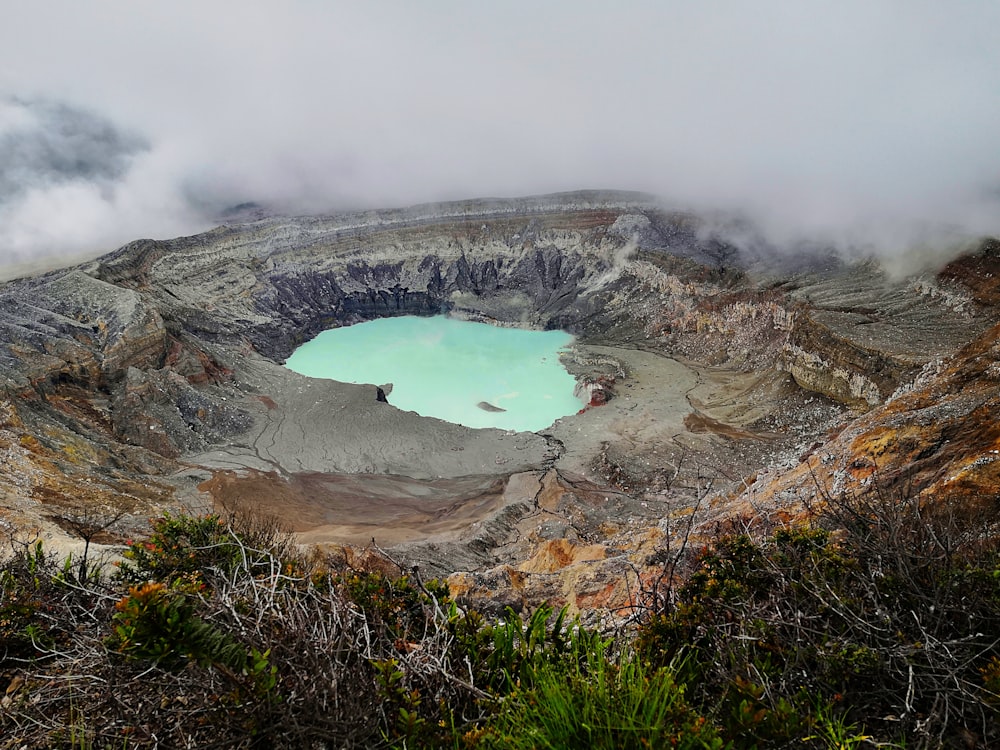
337, 467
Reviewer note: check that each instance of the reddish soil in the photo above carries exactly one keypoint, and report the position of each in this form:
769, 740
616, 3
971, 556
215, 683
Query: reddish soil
355, 508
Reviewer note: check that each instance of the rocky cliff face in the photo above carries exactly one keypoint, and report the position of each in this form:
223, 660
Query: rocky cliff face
936, 437
151, 378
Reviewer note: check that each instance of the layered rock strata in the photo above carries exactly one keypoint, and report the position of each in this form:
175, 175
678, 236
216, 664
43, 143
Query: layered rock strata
152, 378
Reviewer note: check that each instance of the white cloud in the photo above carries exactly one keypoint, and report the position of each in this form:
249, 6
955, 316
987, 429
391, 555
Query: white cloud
871, 123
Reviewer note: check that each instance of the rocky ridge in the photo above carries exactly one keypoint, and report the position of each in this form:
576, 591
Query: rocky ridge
151, 378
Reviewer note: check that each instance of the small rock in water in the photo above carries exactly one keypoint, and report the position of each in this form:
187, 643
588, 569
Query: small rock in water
486, 406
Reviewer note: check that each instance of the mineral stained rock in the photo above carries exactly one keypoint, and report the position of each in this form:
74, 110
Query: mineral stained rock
712, 381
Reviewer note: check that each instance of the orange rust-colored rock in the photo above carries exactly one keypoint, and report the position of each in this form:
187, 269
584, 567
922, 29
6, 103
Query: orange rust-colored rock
47, 477
938, 438
556, 554
978, 272
607, 597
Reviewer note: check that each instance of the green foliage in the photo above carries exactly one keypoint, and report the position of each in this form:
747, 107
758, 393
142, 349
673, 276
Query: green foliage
796, 636
159, 624
498, 659
18, 606
752, 719
517, 648
832, 731
263, 675
408, 726
223, 634
397, 604
590, 701
181, 546
201, 548
736, 623
29, 582
990, 673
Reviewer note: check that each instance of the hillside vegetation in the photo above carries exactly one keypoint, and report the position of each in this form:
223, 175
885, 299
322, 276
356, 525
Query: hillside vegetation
876, 624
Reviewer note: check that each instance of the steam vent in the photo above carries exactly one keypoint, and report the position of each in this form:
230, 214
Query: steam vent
715, 385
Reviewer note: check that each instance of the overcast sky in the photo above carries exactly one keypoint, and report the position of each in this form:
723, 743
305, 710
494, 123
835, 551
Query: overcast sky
866, 123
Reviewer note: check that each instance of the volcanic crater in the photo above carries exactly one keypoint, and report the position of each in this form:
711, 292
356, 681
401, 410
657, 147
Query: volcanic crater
720, 384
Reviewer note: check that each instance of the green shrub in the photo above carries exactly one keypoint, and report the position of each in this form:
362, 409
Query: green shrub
204, 547
516, 648
850, 620
592, 702
397, 604
33, 591
159, 624
18, 606
806, 637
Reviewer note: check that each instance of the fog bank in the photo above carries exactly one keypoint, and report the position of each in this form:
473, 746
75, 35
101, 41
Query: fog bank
870, 126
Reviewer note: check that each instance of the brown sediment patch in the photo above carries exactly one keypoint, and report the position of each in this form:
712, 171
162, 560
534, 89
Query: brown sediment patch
355, 508
556, 554
697, 422
550, 493
612, 595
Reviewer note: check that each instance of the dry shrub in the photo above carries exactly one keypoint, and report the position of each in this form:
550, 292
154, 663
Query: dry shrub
885, 610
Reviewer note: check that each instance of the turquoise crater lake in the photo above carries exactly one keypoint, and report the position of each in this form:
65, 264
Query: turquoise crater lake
473, 374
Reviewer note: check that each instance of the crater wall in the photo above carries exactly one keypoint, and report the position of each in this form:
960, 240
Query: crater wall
144, 374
